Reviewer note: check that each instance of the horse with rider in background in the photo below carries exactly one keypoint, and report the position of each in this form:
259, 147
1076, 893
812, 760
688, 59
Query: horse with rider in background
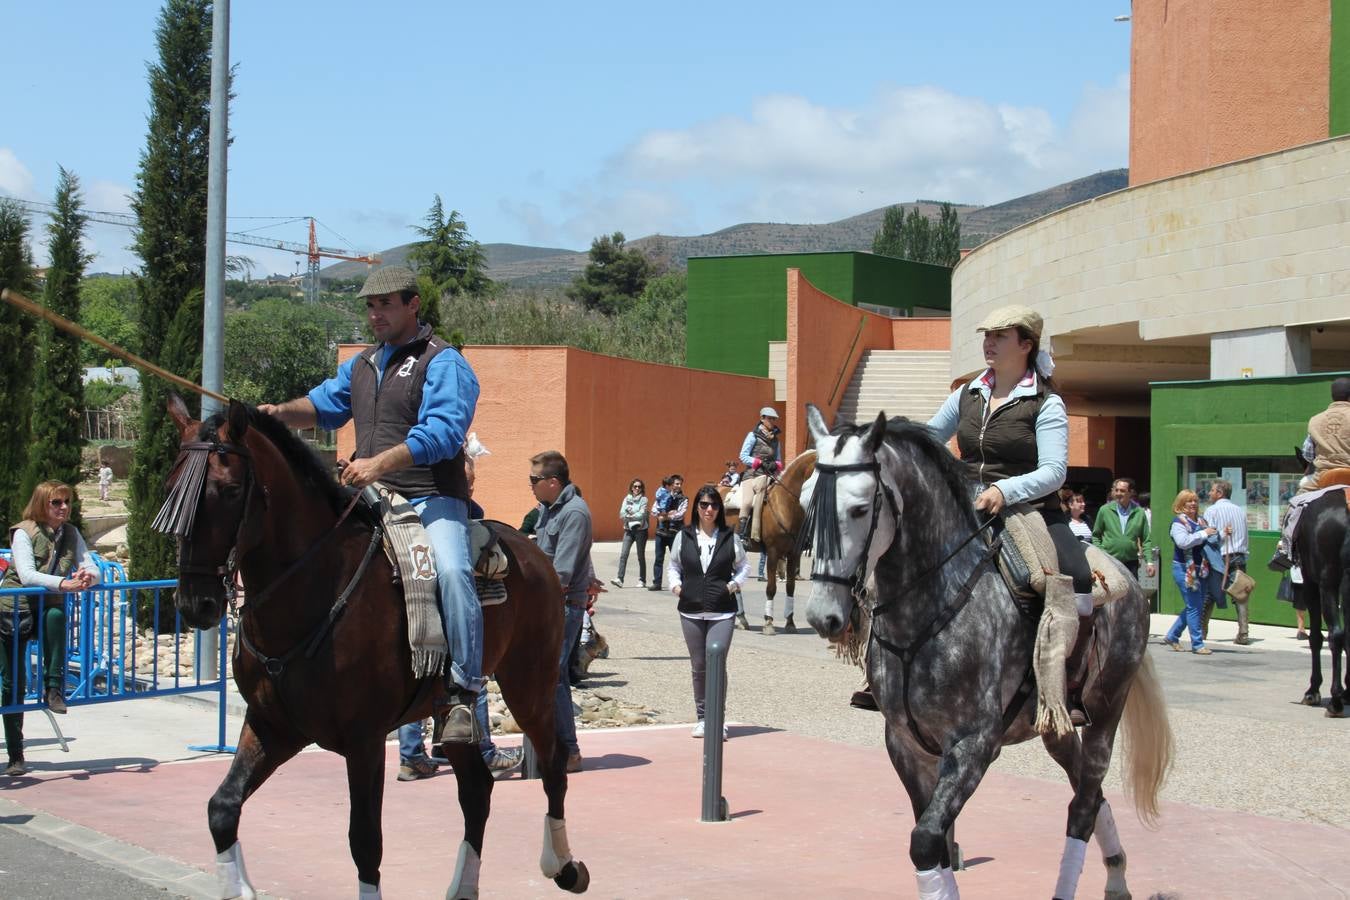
904, 577
323, 656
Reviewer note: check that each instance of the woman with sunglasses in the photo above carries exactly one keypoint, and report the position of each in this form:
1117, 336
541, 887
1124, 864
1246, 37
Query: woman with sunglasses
633, 514
706, 570
48, 552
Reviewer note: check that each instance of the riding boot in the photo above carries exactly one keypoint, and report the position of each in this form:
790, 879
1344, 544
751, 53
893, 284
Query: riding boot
455, 721
1205, 615
1076, 676
1243, 618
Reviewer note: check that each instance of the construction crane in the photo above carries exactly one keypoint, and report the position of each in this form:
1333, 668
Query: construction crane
311, 251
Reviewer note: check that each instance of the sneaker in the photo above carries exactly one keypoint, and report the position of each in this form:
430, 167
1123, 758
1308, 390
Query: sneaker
698, 730
617, 582
642, 583
413, 769
654, 587
16, 767
505, 759
1202, 651
574, 762
1302, 636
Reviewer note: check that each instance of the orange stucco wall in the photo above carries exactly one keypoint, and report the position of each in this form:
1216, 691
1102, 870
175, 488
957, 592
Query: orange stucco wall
1212, 81
825, 339
614, 419
921, 334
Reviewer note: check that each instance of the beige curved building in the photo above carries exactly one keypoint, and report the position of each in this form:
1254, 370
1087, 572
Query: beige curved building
1229, 254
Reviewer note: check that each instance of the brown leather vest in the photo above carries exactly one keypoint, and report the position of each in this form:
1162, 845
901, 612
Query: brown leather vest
385, 409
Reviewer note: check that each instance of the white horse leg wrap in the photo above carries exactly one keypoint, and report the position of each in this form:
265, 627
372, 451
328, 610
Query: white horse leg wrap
937, 884
949, 882
464, 886
368, 891
556, 853
231, 875
1070, 867
768, 609
787, 607
1084, 603
1108, 839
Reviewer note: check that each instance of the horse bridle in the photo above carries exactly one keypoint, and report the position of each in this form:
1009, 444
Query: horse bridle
828, 537
228, 569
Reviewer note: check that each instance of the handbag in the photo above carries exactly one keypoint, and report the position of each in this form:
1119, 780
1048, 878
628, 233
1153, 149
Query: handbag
1242, 585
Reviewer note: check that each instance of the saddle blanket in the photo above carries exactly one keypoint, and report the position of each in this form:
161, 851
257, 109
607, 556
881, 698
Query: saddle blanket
1028, 558
408, 548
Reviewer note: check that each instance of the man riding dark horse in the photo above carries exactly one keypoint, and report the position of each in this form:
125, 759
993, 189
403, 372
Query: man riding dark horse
412, 398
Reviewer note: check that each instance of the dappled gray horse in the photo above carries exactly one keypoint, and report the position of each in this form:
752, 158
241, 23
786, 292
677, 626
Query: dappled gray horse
895, 533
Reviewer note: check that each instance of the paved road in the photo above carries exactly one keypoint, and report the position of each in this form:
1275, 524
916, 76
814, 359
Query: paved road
32, 869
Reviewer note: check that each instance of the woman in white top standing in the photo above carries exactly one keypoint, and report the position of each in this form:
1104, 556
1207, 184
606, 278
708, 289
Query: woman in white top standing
706, 569
1076, 506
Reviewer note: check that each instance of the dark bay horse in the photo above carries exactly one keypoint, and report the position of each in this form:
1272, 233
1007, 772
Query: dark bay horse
340, 675
1323, 542
895, 532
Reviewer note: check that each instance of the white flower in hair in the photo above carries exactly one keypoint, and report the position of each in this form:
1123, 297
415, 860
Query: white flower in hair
473, 448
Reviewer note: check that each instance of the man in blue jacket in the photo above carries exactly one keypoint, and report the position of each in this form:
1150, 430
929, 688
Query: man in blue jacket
412, 398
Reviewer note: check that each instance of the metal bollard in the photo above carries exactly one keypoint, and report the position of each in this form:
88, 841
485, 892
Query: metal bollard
715, 807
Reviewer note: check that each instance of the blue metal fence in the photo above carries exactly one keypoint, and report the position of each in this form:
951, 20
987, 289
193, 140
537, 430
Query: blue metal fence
104, 661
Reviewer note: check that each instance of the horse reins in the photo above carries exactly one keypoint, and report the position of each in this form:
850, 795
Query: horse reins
855, 582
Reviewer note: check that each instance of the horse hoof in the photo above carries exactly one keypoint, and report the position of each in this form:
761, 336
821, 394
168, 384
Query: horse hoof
1312, 698
574, 877
1333, 713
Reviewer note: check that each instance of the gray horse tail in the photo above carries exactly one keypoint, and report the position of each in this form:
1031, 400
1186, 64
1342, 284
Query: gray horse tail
1147, 743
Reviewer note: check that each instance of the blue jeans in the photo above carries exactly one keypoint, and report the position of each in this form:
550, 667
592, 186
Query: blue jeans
446, 520
562, 697
1190, 616
410, 744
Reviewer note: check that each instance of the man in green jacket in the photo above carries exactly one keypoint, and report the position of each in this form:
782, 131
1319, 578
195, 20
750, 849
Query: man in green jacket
1121, 528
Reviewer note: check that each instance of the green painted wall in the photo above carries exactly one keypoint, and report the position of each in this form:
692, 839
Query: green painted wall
1249, 417
737, 305
1340, 68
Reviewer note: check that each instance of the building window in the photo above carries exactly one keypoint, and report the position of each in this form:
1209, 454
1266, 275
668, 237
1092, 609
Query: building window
1262, 485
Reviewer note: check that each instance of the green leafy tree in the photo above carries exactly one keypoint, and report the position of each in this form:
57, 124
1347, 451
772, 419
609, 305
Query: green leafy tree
455, 262
946, 247
58, 390
917, 237
170, 205
887, 240
17, 331
108, 309
278, 349
614, 278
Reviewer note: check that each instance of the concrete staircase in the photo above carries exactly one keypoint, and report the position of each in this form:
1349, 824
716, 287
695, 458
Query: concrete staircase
911, 383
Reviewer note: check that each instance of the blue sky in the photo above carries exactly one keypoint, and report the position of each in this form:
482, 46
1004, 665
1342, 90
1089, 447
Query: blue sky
549, 123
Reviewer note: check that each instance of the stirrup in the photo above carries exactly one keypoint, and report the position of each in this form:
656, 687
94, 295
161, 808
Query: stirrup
449, 724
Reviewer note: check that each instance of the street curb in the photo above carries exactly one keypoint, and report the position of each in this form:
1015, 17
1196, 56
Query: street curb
159, 872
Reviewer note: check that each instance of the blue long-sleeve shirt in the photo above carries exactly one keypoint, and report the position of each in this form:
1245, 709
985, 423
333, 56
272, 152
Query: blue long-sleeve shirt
449, 398
1052, 440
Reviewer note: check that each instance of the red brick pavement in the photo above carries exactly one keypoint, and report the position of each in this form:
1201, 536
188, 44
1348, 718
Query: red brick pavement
810, 818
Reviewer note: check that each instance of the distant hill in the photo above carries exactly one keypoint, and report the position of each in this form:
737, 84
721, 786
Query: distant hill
527, 266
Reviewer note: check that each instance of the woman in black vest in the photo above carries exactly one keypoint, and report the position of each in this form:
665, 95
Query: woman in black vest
707, 566
50, 553
1012, 430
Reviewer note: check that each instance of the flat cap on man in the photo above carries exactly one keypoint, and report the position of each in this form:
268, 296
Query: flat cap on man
389, 280
1013, 317
768, 411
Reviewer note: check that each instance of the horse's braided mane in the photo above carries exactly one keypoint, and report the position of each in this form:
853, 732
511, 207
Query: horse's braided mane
306, 465
900, 430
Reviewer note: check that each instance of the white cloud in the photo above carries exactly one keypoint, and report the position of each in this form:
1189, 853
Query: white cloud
15, 179
794, 160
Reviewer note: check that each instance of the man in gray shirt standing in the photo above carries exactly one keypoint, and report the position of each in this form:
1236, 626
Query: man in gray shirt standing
563, 531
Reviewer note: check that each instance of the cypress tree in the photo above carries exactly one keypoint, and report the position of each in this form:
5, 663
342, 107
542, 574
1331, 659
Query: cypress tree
170, 204
16, 364
58, 390
887, 240
947, 237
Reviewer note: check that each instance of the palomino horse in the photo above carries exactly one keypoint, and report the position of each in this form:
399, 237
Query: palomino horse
895, 533
1323, 543
338, 674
